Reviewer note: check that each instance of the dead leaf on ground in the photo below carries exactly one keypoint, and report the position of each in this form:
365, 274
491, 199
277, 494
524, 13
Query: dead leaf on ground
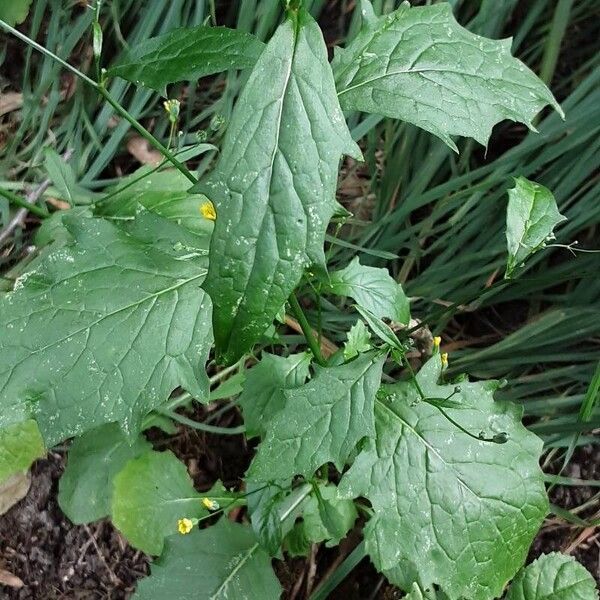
10, 580
10, 101
140, 149
60, 204
13, 490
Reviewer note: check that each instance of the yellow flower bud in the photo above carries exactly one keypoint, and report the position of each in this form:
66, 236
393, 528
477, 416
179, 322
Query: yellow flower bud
437, 340
208, 210
210, 504
184, 526
172, 109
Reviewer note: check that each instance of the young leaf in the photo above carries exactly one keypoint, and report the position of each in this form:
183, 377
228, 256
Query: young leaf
186, 55
322, 421
151, 493
164, 192
450, 509
102, 330
86, 487
20, 445
222, 562
359, 340
531, 217
14, 12
382, 330
553, 577
274, 184
419, 65
373, 289
264, 387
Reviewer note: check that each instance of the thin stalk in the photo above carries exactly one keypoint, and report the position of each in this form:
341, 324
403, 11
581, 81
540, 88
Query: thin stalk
202, 426
22, 203
120, 110
307, 330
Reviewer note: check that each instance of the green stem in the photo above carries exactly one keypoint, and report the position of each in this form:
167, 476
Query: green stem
307, 330
202, 426
20, 202
104, 93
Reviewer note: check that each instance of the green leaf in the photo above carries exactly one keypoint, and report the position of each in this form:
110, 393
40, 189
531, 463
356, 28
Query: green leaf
553, 577
448, 509
223, 562
382, 330
86, 487
102, 330
263, 394
163, 192
14, 12
373, 289
63, 178
151, 493
20, 445
274, 184
322, 421
359, 340
531, 217
296, 543
187, 54
419, 65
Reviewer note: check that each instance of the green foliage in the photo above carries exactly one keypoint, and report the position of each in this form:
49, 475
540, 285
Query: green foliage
373, 289
14, 12
20, 445
359, 340
479, 503
531, 217
187, 54
419, 65
553, 577
66, 364
321, 421
274, 184
86, 487
151, 493
219, 563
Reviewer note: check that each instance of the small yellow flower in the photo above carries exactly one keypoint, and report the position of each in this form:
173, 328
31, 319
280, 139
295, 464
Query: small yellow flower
208, 210
210, 504
172, 109
184, 526
437, 340
444, 358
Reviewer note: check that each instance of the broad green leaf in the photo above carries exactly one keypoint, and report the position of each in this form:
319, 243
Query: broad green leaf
14, 12
373, 289
274, 184
63, 178
553, 577
449, 509
222, 562
163, 192
186, 55
359, 340
102, 330
419, 65
20, 445
321, 421
151, 493
327, 517
263, 394
531, 217
86, 487
296, 543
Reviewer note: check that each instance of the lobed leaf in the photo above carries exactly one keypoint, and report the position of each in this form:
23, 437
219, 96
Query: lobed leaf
359, 340
263, 393
553, 577
448, 509
20, 445
187, 54
274, 184
373, 289
419, 65
321, 421
221, 562
102, 330
531, 217
86, 487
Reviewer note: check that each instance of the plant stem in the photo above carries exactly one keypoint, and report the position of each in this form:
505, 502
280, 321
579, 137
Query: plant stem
22, 203
202, 426
104, 93
307, 330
